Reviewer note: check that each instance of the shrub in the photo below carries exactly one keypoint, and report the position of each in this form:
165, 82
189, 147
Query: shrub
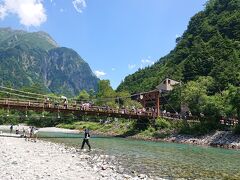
162, 124
237, 129
198, 129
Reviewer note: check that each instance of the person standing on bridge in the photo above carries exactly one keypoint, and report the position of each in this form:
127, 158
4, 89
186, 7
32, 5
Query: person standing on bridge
86, 138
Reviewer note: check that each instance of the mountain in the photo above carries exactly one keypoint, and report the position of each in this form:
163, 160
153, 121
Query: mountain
29, 58
11, 38
209, 47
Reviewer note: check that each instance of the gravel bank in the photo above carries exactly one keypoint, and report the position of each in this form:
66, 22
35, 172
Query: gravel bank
47, 129
27, 160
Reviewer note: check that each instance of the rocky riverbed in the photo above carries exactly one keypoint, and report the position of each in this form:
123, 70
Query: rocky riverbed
22, 159
223, 139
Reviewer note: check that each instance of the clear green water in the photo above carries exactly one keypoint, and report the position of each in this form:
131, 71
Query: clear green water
162, 159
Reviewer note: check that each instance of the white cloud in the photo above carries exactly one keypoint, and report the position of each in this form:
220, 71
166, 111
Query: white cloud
79, 5
53, 2
143, 63
29, 12
147, 62
177, 36
3, 12
99, 74
131, 66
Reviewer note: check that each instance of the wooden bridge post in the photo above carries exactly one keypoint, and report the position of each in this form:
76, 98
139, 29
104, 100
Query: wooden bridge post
158, 104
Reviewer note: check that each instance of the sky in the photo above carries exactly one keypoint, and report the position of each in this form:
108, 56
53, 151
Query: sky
115, 37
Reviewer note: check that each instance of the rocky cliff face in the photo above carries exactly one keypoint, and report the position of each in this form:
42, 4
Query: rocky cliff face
66, 69
28, 58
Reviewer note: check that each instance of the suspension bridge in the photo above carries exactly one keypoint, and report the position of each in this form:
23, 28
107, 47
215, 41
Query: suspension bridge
75, 109
26, 101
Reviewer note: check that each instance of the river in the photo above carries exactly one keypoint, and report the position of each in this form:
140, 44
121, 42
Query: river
159, 159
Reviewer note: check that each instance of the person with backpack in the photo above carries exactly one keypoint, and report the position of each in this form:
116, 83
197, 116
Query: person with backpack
86, 138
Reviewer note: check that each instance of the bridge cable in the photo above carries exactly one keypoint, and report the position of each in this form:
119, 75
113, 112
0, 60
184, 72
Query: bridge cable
169, 104
29, 93
21, 91
44, 95
19, 95
74, 99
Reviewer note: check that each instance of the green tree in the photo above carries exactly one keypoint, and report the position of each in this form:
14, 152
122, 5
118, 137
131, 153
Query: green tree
83, 96
124, 99
175, 98
106, 95
195, 93
234, 95
213, 107
92, 94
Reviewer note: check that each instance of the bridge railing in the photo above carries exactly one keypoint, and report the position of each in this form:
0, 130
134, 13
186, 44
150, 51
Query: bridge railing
177, 116
9, 102
87, 108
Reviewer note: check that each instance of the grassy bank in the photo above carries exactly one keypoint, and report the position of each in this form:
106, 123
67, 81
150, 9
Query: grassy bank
161, 128
110, 128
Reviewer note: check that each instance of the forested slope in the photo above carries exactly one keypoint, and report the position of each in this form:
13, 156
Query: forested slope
209, 47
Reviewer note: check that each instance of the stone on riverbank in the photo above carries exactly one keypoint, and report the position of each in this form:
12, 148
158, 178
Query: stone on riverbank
223, 139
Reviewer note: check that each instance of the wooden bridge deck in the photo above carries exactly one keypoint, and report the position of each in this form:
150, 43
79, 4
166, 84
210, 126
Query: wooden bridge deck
75, 109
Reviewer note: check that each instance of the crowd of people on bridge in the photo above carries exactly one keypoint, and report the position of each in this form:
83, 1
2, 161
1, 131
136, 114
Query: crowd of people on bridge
63, 102
229, 121
90, 106
176, 115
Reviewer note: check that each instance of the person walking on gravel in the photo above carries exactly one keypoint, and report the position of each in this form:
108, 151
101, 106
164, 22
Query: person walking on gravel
86, 138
